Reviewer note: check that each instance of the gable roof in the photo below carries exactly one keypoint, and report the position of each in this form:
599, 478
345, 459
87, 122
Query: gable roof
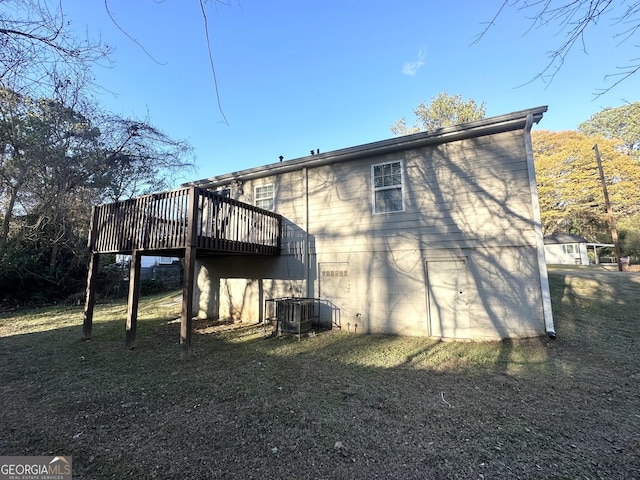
563, 238
487, 126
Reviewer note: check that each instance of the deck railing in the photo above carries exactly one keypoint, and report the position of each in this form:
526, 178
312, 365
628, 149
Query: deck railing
188, 217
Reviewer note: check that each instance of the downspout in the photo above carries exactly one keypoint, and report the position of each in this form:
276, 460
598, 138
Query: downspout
537, 224
307, 252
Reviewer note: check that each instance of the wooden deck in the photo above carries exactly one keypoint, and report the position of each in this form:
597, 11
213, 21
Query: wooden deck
187, 223
190, 217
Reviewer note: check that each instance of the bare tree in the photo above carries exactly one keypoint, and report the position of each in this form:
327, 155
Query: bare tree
39, 55
573, 18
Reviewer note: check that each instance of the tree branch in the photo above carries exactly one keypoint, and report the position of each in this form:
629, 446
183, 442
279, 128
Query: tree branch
213, 69
126, 34
490, 24
624, 75
573, 17
49, 41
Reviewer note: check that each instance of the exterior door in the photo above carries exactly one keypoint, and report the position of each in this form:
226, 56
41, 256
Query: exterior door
446, 293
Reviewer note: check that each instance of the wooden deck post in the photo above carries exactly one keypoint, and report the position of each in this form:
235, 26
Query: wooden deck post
90, 298
187, 302
134, 295
189, 276
90, 295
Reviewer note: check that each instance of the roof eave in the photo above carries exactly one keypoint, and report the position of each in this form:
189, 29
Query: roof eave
487, 126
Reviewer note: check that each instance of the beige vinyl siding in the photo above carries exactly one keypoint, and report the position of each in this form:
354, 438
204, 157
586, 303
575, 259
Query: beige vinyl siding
459, 195
465, 199
340, 194
477, 206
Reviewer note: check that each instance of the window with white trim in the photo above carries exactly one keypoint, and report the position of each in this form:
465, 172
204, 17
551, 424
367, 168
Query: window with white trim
264, 196
388, 193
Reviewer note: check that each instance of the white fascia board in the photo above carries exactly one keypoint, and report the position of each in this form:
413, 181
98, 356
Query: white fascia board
487, 126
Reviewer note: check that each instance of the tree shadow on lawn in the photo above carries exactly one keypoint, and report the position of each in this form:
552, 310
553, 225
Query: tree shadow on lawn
596, 311
330, 406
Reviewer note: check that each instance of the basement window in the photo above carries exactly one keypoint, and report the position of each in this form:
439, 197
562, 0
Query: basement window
264, 196
388, 180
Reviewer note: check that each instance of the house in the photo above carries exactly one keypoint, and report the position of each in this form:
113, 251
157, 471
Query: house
432, 234
571, 249
566, 249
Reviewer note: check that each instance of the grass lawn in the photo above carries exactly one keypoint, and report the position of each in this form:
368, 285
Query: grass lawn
333, 406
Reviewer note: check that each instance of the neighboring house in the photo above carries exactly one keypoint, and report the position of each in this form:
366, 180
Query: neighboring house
571, 249
432, 234
566, 249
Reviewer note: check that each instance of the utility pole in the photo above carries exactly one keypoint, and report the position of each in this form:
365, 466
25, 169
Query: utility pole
612, 222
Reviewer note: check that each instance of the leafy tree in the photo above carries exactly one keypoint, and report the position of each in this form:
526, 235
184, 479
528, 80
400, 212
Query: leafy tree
569, 188
573, 19
444, 110
629, 236
621, 123
136, 158
47, 154
55, 162
59, 154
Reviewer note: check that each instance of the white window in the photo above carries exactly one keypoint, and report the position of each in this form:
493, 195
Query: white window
569, 249
387, 180
264, 196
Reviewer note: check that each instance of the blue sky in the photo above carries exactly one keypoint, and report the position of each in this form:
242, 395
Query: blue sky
296, 75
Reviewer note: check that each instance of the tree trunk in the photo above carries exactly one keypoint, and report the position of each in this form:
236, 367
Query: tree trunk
6, 221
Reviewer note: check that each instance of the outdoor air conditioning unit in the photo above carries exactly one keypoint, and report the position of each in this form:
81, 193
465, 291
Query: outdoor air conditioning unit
295, 315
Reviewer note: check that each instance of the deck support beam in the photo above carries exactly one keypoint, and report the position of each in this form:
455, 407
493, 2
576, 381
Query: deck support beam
90, 298
134, 296
186, 320
188, 276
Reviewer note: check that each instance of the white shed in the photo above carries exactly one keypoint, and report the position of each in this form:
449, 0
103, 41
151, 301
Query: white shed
566, 249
